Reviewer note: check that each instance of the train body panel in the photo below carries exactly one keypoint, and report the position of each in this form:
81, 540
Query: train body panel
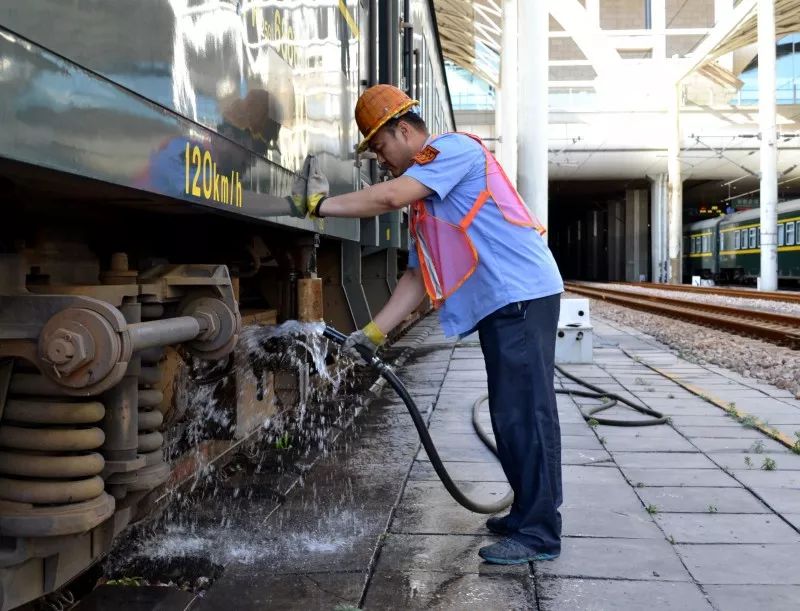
145, 147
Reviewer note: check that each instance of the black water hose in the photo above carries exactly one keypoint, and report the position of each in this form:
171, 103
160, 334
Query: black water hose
610, 400
422, 429
390, 376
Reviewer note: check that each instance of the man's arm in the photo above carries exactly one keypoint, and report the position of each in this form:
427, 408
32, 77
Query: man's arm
407, 295
377, 199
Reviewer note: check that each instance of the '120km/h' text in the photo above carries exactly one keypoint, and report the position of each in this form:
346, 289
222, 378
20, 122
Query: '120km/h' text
203, 180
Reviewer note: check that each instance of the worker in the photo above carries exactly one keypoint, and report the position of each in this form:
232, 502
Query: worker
480, 257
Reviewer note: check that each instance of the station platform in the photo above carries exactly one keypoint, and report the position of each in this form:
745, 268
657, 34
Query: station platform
700, 513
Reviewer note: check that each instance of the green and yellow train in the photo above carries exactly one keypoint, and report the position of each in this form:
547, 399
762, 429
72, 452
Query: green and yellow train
727, 249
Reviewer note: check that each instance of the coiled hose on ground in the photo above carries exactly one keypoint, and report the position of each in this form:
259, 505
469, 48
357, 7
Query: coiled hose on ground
462, 499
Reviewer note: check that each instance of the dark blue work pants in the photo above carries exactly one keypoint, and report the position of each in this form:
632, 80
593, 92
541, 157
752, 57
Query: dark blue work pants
518, 343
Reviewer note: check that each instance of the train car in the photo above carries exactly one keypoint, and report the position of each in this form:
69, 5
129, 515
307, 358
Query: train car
740, 244
144, 149
727, 249
701, 249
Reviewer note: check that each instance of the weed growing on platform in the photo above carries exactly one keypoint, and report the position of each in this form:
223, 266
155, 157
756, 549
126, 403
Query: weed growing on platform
748, 462
712, 509
796, 446
749, 421
593, 423
651, 509
769, 464
757, 447
671, 539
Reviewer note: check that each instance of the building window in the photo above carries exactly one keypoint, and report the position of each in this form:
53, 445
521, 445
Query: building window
752, 237
736, 240
787, 68
705, 244
789, 234
781, 234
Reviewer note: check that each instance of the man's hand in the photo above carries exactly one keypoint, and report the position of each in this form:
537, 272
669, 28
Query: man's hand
308, 190
370, 337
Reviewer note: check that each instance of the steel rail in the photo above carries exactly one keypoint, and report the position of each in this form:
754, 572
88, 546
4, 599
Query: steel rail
777, 328
719, 290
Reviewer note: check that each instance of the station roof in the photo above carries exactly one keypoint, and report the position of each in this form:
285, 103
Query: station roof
787, 21
470, 35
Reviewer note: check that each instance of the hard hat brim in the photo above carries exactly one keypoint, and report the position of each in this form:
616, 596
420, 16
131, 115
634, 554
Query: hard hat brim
362, 146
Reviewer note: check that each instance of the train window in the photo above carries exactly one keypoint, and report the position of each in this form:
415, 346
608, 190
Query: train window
736, 239
781, 234
752, 237
789, 234
705, 247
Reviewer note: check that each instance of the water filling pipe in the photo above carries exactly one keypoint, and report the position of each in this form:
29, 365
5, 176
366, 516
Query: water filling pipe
386, 372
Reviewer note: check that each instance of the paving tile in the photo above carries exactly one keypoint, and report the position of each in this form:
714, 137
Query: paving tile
446, 591
782, 500
698, 500
317, 591
585, 457
663, 460
739, 460
596, 474
742, 563
758, 478
476, 453
446, 553
460, 471
680, 421
629, 523
615, 559
565, 594
580, 442
574, 429
726, 528
426, 507
673, 443
679, 477
759, 445
732, 430
750, 597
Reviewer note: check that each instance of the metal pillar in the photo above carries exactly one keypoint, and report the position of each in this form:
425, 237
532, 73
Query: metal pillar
532, 118
658, 229
674, 189
769, 151
506, 110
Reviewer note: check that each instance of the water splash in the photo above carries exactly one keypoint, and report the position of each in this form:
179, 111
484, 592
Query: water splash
224, 515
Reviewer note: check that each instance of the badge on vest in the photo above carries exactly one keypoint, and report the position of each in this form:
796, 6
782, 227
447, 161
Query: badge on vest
426, 155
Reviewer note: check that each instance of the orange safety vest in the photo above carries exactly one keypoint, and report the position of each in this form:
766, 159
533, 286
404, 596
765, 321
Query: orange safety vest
447, 256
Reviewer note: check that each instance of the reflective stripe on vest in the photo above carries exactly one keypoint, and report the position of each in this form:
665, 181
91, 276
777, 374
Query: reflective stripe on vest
447, 256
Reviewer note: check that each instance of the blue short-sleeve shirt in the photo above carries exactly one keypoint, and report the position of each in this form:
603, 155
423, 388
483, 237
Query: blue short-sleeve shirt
514, 263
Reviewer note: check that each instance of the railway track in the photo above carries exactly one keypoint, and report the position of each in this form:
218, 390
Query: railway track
781, 329
718, 290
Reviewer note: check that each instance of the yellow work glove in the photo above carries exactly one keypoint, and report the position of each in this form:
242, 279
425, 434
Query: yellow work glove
370, 337
309, 189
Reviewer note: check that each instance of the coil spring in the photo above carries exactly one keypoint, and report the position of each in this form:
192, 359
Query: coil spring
47, 450
151, 441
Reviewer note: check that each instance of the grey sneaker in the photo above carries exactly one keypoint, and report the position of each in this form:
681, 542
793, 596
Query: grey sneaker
499, 525
509, 551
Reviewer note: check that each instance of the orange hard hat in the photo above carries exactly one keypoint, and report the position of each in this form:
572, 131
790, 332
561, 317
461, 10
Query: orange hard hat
376, 106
